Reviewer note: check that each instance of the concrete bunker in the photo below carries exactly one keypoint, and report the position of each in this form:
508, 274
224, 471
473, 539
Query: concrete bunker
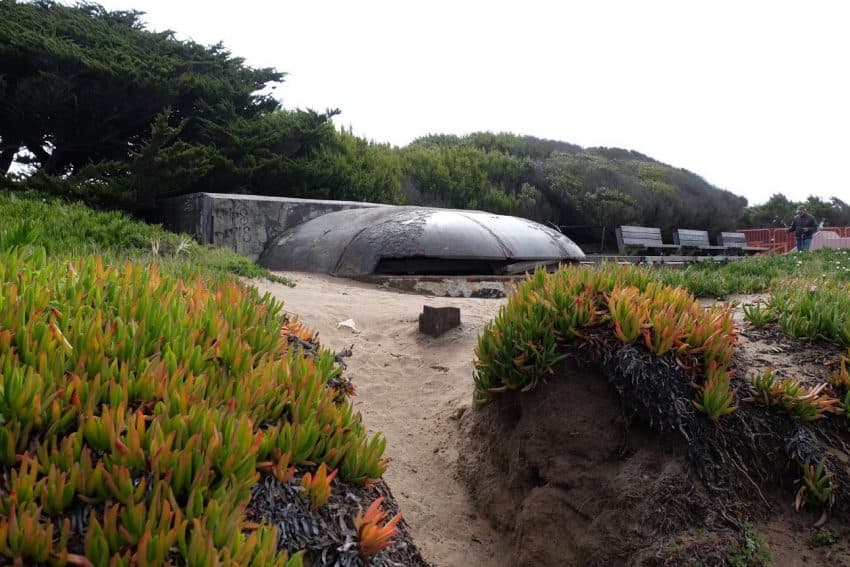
417, 240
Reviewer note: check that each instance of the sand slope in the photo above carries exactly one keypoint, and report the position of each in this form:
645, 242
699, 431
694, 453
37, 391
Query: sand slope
410, 387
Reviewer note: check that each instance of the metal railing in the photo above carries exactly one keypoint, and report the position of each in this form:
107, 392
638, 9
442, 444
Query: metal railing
779, 240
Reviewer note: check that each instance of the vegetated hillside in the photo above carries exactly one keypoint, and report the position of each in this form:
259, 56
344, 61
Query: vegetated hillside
583, 190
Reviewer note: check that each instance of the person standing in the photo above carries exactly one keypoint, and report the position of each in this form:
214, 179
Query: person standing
805, 226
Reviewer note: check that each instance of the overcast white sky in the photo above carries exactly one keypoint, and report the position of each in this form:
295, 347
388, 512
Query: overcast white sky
752, 95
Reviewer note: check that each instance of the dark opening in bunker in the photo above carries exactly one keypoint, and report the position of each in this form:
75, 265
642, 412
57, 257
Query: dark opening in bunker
423, 266
438, 266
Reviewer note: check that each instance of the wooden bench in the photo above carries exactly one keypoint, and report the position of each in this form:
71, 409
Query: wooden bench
695, 242
737, 242
633, 239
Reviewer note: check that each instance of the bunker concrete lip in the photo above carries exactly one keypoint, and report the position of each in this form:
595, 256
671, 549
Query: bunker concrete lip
481, 287
403, 240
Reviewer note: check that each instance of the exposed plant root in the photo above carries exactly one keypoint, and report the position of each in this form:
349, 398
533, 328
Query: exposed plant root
734, 457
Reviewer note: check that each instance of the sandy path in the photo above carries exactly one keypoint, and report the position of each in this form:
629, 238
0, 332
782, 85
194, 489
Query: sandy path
409, 387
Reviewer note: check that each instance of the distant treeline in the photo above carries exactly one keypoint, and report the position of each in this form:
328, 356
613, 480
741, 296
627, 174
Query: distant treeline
779, 211
95, 107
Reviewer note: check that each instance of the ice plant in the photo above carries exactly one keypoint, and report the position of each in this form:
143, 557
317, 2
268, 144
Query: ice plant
816, 486
316, 489
366, 462
521, 347
792, 397
295, 328
841, 378
373, 537
629, 313
664, 332
758, 314
763, 386
155, 403
824, 312
580, 308
279, 467
23, 536
715, 397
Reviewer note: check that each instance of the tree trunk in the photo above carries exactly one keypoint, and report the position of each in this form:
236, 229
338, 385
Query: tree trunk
53, 165
6, 157
42, 156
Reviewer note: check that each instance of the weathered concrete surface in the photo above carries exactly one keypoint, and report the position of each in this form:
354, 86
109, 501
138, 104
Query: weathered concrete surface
354, 242
482, 287
245, 223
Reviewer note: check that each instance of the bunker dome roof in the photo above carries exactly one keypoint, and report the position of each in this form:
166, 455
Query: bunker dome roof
353, 242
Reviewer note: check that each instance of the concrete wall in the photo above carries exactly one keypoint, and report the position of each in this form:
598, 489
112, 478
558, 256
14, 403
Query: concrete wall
245, 223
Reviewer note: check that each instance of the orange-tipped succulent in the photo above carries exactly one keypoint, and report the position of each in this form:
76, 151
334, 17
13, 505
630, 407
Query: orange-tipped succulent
155, 401
298, 329
841, 378
279, 467
374, 537
317, 488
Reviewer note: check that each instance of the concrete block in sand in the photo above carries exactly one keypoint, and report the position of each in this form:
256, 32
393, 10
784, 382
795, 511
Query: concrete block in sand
435, 321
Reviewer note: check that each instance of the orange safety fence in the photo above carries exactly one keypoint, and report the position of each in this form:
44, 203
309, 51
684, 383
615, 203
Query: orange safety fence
779, 239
